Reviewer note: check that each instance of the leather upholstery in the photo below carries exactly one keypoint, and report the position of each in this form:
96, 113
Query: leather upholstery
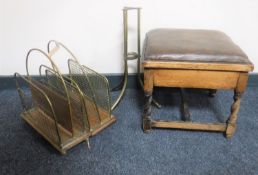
192, 45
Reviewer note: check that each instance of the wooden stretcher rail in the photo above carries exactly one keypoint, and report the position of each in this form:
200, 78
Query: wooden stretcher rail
189, 125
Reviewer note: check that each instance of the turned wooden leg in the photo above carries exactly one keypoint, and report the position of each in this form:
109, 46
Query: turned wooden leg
212, 92
148, 90
146, 120
231, 123
240, 88
184, 106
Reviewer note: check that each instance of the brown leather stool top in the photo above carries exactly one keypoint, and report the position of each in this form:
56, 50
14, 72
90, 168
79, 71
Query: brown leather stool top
192, 45
201, 46
193, 59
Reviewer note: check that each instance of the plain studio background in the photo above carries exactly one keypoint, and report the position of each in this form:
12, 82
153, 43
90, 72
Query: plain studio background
92, 29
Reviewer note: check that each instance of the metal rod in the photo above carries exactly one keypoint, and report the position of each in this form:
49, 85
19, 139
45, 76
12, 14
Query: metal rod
125, 18
130, 56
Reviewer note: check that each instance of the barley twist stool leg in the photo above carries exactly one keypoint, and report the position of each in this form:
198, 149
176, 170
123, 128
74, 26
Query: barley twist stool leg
146, 118
231, 123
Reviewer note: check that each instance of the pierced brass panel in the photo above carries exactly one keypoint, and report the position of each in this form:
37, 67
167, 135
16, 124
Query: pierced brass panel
65, 110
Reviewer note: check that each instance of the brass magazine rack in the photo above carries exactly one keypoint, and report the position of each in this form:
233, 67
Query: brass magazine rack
65, 109
69, 109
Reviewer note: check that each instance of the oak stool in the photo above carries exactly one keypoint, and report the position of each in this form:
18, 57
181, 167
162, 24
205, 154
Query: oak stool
204, 59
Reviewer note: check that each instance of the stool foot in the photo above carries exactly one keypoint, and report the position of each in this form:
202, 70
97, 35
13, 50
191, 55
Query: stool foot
212, 92
231, 128
146, 125
63, 152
